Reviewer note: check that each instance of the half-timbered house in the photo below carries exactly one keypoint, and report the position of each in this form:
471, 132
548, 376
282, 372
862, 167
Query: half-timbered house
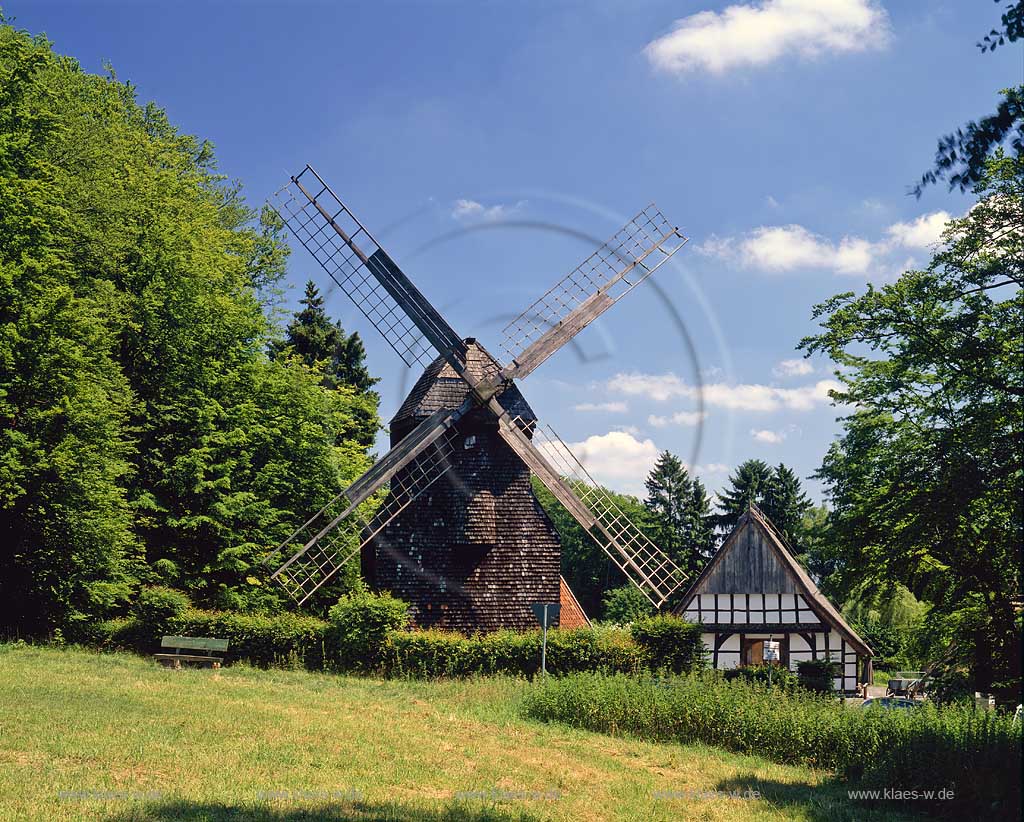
754, 591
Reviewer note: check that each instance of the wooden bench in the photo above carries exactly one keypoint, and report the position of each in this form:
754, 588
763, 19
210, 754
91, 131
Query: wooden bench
191, 643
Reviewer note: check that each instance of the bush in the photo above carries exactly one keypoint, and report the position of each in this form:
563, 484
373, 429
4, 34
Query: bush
359, 625
977, 754
444, 654
279, 640
817, 675
625, 605
156, 608
775, 676
670, 643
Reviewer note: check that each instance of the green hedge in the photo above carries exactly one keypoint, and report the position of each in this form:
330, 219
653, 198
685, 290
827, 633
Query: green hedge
976, 754
429, 654
283, 640
670, 643
777, 676
367, 633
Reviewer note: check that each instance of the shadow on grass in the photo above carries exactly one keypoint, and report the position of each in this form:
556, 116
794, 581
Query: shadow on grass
186, 811
826, 801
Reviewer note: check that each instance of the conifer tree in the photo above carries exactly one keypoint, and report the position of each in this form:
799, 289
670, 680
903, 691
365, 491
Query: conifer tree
785, 502
747, 485
319, 342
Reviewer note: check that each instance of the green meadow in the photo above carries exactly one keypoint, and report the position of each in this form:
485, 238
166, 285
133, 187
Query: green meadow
86, 735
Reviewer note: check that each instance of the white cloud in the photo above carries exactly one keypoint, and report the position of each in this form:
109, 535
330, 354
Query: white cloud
655, 386
628, 429
760, 33
617, 459
465, 210
792, 247
924, 232
679, 418
783, 248
772, 202
740, 397
792, 368
766, 436
609, 407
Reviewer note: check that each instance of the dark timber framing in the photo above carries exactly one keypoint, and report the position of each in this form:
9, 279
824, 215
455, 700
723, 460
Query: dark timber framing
753, 589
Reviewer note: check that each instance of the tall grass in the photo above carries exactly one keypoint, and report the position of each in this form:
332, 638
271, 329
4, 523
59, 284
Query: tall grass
976, 754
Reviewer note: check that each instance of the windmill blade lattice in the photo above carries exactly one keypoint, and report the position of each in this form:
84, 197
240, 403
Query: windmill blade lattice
325, 545
643, 562
365, 272
635, 252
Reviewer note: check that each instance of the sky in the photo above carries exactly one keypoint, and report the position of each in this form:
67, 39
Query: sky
490, 147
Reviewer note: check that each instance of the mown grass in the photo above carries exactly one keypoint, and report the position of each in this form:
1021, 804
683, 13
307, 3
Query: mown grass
212, 743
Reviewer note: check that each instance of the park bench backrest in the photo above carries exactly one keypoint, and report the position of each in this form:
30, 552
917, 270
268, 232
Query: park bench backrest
194, 643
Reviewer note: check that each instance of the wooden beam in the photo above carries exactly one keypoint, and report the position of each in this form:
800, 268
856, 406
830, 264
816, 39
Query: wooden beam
558, 335
528, 453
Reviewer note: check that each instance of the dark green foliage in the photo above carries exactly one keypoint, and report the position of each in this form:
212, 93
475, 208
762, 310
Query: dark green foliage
324, 347
775, 676
145, 435
776, 491
785, 503
433, 654
888, 643
962, 156
156, 608
976, 754
817, 675
925, 484
625, 605
279, 640
671, 644
680, 513
816, 551
587, 569
359, 624
747, 485
67, 552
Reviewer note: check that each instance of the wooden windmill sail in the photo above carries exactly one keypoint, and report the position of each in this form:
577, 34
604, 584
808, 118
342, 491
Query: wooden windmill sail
431, 444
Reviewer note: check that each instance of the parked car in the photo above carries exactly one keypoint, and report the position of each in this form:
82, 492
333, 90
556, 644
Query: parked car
892, 703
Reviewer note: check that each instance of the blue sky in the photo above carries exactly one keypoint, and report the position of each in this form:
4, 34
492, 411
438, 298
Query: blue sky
482, 143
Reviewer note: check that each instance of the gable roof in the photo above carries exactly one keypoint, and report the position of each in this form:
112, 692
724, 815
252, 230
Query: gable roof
441, 387
754, 517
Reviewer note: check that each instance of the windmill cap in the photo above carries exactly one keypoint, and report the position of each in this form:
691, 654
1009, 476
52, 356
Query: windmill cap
441, 387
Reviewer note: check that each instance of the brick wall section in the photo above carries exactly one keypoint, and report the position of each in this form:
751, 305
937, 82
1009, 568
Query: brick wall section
475, 550
572, 615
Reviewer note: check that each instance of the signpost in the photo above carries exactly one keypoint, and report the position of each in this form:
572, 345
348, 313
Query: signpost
546, 612
769, 655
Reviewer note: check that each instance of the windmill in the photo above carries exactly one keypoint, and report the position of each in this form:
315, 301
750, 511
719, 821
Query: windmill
466, 405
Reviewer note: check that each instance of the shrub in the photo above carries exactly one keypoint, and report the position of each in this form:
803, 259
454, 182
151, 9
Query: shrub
156, 608
817, 675
625, 605
446, 654
977, 754
670, 643
279, 640
775, 676
359, 625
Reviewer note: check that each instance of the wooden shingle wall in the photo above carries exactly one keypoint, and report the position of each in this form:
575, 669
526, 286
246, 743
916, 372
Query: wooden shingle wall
476, 549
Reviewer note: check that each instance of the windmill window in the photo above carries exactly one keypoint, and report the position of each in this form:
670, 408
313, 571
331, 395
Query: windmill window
470, 442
